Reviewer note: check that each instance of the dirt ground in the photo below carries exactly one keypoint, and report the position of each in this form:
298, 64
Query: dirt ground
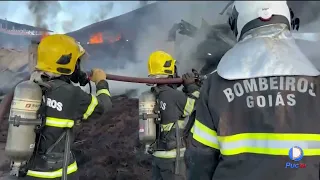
107, 148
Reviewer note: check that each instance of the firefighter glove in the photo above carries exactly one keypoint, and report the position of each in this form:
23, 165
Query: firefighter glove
188, 78
98, 75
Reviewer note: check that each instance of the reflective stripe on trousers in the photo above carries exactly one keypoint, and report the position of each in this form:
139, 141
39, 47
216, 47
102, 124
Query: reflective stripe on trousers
257, 143
54, 174
59, 123
169, 126
169, 154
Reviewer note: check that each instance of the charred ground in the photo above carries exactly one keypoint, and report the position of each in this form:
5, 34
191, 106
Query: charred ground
107, 148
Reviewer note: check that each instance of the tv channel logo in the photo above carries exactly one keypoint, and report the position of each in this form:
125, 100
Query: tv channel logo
296, 155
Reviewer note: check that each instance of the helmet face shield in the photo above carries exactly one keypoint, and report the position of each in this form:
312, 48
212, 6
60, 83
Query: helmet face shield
84, 62
84, 58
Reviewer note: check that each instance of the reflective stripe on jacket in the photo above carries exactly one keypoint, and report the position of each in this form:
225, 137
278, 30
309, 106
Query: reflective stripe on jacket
65, 104
174, 104
247, 128
258, 143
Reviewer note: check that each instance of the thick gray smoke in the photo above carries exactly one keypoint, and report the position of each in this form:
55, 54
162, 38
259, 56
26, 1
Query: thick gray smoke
103, 12
153, 36
100, 13
43, 10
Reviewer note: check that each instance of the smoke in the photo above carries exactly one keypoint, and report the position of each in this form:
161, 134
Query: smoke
154, 34
64, 16
42, 11
70, 16
103, 12
143, 3
309, 14
153, 37
308, 11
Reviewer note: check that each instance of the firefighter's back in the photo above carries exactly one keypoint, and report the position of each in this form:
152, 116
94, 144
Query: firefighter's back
260, 121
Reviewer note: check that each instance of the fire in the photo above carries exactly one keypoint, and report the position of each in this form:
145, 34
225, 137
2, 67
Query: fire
96, 38
99, 38
44, 34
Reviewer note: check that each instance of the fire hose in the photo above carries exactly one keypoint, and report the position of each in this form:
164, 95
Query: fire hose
5, 103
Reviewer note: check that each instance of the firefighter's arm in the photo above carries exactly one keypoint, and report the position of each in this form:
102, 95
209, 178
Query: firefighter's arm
185, 102
190, 87
203, 151
94, 106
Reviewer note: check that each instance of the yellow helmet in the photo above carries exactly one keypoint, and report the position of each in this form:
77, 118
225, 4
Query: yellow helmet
59, 54
161, 63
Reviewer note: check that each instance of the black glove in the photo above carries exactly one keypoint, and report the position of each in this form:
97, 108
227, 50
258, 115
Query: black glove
80, 77
191, 82
188, 78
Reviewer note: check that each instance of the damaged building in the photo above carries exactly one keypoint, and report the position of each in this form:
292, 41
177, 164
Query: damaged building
108, 148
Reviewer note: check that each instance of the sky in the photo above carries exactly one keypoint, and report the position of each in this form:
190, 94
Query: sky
65, 16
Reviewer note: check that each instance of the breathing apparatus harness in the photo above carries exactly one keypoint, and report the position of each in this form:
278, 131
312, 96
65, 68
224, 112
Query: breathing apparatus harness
162, 140
157, 115
157, 120
156, 144
38, 129
77, 77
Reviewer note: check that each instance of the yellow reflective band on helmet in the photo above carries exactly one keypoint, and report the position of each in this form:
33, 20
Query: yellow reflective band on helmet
103, 91
91, 107
196, 94
269, 143
189, 107
204, 135
59, 123
54, 174
168, 127
169, 154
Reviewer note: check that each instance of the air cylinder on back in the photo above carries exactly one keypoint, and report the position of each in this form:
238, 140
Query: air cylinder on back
23, 120
147, 118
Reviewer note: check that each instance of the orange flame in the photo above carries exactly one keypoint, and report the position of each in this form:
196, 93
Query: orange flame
96, 38
44, 34
99, 38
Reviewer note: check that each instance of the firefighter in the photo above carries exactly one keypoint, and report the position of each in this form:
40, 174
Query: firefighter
257, 116
174, 106
58, 65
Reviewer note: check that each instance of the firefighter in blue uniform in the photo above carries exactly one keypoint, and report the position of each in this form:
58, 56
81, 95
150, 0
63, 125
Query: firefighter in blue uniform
263, 101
